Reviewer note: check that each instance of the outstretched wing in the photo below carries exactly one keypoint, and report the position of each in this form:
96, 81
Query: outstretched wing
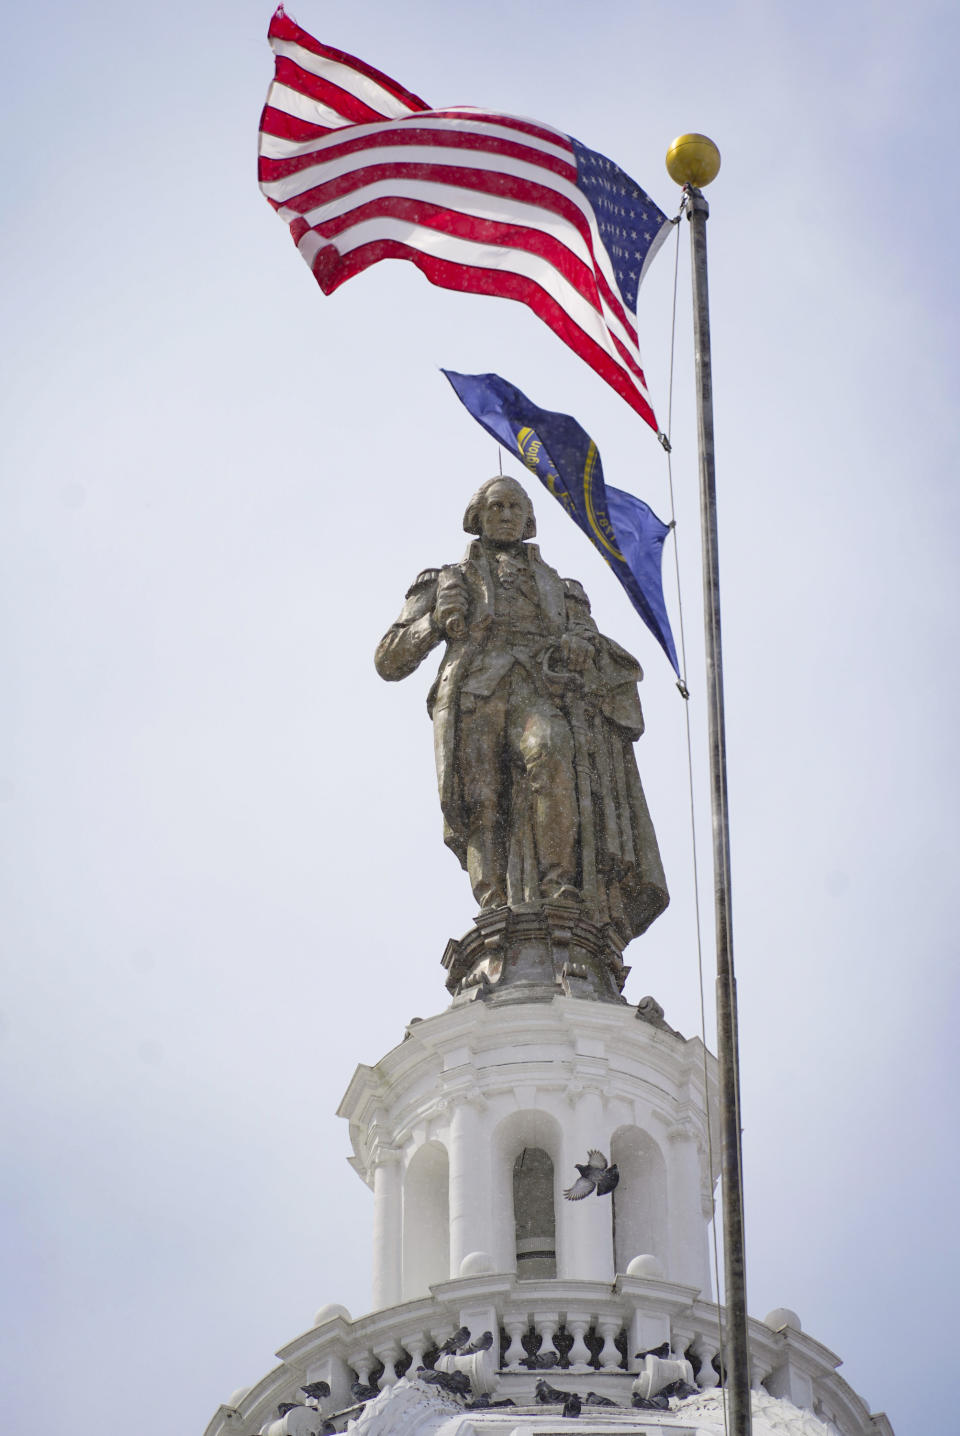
581, 1188
596, 1159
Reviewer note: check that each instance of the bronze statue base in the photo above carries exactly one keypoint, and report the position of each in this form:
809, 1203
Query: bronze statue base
534, 953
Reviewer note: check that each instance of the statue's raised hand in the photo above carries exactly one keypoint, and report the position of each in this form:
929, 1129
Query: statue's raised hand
575, 652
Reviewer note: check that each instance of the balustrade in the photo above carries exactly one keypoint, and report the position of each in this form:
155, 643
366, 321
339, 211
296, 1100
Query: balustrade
585, 1327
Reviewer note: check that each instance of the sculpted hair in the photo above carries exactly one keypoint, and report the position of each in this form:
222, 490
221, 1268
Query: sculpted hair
471, 519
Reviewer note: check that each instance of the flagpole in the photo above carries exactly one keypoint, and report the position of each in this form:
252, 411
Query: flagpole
693, 160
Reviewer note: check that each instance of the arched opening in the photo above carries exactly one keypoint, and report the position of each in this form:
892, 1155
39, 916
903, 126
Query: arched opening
426, 1220
640, 1201
524, 1193
534, 1216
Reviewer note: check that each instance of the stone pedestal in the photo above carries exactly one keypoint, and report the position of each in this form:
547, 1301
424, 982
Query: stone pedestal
530, 954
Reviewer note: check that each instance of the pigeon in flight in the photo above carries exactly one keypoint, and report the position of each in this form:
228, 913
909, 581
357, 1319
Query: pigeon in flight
595, 1175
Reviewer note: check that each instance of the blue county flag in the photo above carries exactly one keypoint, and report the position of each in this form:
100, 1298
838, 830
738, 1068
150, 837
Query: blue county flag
361, 170
567, 462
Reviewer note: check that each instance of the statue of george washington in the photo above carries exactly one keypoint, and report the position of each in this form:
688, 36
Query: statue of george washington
535, 716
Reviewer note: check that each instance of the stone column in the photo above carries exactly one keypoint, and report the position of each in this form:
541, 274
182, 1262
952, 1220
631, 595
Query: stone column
470, 1196
688, 1262
387, 1227
585, 1228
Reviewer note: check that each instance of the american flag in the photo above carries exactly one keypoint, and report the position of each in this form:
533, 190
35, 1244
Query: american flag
363, 170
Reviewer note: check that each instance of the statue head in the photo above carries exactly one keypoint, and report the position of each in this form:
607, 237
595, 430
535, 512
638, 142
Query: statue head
492, 510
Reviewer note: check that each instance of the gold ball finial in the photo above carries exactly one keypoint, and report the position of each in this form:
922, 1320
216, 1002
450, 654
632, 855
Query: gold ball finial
693, 159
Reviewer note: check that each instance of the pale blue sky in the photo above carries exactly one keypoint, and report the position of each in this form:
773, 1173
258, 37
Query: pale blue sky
224, 881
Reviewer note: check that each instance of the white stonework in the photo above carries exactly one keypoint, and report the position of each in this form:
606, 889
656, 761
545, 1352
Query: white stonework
468, 1133
439, 1123
413, 1413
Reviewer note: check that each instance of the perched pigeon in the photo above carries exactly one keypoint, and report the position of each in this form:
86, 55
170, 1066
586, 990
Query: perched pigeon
594, 1400
650, 1403
594, 1175
484, 1402
317, 1390
453, 1344
663, 1350
482, 1343
362, 1393
543, 1361
571, 1407
548, 1395
680, 1389
456, 1382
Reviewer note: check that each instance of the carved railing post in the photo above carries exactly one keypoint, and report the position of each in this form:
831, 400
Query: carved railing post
363, 1361
389, 1353
609, 1329
415, 1345
706, 1349
516, 1329
546, 1325
578, 1324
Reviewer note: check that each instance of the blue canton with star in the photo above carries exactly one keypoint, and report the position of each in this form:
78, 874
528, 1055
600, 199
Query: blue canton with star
627, 218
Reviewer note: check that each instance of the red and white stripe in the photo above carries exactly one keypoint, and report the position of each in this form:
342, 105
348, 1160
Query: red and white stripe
362, 170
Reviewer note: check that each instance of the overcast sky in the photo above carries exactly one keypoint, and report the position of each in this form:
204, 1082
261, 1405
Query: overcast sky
224, 883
